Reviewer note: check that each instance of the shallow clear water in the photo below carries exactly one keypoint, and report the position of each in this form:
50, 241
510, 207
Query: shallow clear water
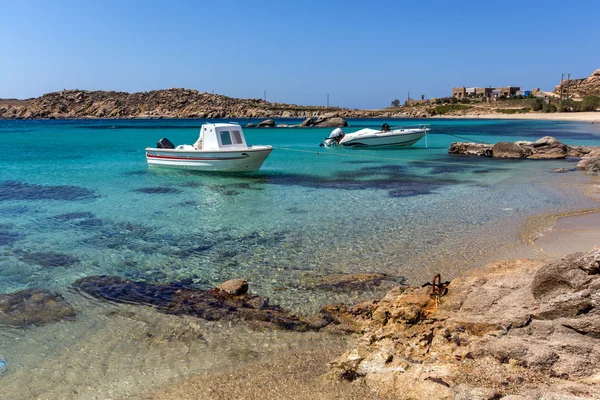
309, 211
82, 192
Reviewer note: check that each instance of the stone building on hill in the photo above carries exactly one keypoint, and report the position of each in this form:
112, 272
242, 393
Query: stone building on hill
484, 93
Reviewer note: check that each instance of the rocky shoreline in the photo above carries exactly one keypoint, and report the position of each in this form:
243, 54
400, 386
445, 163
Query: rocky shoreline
518, 329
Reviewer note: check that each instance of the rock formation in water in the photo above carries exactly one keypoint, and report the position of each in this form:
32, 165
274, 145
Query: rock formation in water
520, 327
546, 148
230, 300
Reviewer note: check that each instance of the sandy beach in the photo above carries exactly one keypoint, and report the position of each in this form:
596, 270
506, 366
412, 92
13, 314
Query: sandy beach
573, 117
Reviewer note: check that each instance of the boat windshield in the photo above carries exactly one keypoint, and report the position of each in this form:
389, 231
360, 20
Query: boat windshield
225, 138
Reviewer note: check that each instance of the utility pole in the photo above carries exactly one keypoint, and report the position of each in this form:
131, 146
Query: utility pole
265, 95
327, 100
568, 83
562, 78
408, 95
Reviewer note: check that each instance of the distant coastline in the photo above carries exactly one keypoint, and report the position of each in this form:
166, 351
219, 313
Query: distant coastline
187, 103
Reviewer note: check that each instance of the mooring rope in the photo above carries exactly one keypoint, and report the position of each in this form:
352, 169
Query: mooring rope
407, 159
456, 136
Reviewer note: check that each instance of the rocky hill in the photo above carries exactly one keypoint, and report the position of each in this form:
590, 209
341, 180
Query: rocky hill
580, 88
168, 103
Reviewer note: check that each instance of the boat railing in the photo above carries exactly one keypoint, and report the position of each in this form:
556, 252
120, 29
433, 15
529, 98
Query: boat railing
416, 126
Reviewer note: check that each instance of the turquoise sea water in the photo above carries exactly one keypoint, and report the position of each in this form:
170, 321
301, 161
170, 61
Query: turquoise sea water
82, 191
77, 199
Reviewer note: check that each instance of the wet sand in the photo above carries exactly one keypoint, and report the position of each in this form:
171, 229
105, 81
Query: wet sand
572, 234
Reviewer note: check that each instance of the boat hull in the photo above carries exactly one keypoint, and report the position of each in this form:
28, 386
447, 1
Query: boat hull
392, 139
248, 160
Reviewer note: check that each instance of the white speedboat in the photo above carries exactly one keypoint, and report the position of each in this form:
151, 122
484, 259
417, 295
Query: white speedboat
386, 137
220, 148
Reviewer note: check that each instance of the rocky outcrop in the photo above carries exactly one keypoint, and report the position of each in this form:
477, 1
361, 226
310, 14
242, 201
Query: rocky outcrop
267, 123
581, 87
168, 103
520, 327
33, 307
325, 121
590, 164
471, 149
546, 148
509, 150
229, 300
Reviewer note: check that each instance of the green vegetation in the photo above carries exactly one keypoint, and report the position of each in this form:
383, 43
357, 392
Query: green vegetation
538, 104
590, 103
568, 105
441, 110
549, 108
395, 103
523, 110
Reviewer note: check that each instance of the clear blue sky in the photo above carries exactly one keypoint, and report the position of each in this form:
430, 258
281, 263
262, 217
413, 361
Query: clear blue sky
364, 54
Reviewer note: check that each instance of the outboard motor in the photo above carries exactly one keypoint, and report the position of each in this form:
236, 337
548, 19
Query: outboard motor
334, 138
164, 143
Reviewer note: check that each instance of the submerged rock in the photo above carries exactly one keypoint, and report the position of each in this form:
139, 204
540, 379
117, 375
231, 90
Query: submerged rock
16, 190
47, 258
33, 307
213, 304
350, 281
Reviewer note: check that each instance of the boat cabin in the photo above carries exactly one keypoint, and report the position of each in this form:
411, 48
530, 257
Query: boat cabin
221, 137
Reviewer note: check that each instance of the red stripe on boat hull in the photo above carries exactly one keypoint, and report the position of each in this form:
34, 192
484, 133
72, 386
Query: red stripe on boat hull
194, 159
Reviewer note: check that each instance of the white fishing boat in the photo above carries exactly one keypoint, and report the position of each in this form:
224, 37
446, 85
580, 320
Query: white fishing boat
220, 148
386, 137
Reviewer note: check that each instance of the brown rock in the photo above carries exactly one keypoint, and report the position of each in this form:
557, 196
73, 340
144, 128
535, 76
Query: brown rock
590, 164
519, 326
508, 150
333, 122
548, 148
471, 149
307, 122
234, 287
268, 123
